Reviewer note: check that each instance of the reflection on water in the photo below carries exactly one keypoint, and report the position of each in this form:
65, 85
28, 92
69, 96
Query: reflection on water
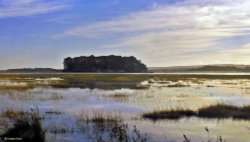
60, 107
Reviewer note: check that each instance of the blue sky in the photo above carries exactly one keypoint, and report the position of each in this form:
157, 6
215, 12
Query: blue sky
41, 33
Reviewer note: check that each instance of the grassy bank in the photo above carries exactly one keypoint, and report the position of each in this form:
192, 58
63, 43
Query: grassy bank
124, 77
102, 81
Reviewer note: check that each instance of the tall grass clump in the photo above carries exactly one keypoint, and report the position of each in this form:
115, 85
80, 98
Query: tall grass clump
108, 128
169, 114
225, 111
24, 127
219, 111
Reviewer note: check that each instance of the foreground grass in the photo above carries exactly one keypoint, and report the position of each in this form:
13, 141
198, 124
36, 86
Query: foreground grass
108, 128
25, 127
216, 111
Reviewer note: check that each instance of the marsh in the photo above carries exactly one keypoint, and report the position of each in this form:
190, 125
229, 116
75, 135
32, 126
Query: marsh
87, 107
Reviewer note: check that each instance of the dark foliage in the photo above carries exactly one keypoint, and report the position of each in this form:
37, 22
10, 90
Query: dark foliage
103, 64
26, 128
214, 111
172, 114
225, 111
32, 70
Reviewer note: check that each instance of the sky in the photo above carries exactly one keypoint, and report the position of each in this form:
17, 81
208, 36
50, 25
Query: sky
41, 33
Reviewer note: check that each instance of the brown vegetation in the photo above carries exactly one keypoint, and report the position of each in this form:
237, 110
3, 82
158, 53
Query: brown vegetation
215, 111
26, 127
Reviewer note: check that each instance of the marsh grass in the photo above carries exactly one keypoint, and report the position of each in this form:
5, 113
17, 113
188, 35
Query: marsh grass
41, 96
140, 86
122, 97
122, 77
169, 114
53, 112
17, 87
99, 117
209, 139
105, 81
60, 128
209, 86
219, 111
119, 95
225, 111
108, 127
178, 85
105, 118
25, 125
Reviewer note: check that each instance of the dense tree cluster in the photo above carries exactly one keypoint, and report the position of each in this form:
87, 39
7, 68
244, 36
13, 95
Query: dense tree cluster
103, 64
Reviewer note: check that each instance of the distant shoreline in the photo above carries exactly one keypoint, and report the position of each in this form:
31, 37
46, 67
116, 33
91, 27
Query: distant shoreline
200, 69
155, 73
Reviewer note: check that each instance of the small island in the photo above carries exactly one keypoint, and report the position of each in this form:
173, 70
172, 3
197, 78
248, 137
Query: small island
106, 64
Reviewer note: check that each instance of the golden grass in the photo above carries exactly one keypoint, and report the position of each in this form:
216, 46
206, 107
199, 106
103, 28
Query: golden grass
16, 87
90, 80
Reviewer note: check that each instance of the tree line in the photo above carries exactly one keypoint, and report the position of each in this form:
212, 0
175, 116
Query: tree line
110, 63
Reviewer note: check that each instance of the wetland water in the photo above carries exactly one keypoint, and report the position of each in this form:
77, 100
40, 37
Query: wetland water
64, 101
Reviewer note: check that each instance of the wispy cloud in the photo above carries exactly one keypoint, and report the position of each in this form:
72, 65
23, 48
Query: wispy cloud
180, 31
237, 54
229, 17
15, 8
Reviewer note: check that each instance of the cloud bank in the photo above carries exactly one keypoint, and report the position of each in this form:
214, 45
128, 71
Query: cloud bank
16, 8
190, 31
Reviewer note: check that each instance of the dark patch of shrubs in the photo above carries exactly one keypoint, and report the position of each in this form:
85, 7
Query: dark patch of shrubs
219, 111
